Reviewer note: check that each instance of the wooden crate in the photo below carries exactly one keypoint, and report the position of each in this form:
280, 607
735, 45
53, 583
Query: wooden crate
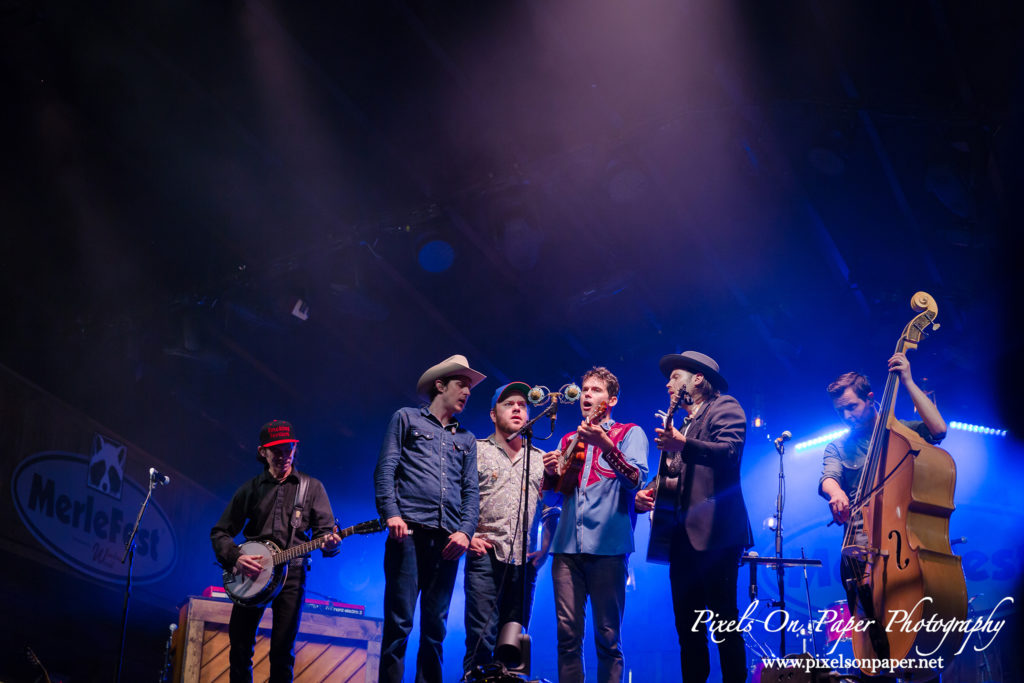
331, 648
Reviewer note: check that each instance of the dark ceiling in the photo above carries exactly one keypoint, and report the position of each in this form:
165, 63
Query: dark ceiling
766, 182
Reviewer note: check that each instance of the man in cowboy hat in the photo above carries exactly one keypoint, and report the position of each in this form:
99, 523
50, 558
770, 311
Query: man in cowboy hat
266, 506
427, 491
713, 528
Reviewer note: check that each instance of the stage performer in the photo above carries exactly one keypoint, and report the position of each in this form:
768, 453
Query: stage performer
496, 575
290, 508
854, 402
594, 533
844, 458
427, 490
713, 529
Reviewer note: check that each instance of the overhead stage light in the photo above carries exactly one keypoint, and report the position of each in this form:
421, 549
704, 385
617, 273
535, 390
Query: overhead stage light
436, 256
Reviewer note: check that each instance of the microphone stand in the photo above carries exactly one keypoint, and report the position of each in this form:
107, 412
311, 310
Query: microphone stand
129, 556
780, 570
526, 432
525, 598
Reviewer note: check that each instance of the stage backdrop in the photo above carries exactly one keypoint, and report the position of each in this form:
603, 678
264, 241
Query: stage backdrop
71, 490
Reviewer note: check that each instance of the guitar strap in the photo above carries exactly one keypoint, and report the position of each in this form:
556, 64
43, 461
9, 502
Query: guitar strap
300, 504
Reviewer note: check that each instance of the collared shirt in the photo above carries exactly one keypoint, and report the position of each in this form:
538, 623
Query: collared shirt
262, 508
844, 459
426, 473
501, 498
599, 517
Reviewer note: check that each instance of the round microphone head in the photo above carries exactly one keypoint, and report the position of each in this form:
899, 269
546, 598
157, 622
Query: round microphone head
536, 395
572, 392
787, 435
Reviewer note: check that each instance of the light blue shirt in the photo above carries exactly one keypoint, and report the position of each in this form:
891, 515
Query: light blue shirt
599, 517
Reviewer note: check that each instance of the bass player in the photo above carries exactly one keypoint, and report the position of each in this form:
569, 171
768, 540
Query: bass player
712, 529
290, 508
594, 534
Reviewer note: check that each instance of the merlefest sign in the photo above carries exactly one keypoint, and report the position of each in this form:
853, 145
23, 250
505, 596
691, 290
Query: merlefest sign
71, 489
82, 509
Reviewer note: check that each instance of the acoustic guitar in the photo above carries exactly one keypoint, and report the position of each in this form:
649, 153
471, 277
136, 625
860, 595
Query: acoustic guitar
666, 485
261, 591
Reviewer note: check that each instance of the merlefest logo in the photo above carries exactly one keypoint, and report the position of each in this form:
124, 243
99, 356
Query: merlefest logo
82, 509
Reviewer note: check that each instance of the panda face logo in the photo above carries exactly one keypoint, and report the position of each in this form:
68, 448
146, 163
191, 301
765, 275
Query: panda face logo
106, 466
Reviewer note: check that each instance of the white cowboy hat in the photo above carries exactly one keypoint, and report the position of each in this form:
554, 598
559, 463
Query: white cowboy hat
453, 366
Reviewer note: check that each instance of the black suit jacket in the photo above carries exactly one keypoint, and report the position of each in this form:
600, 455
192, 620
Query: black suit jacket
711, 501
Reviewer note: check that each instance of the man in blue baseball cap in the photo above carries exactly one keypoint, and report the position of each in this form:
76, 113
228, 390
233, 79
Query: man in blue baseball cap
496, 575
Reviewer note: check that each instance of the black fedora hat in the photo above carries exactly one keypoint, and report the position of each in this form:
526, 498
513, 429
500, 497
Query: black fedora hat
694, 361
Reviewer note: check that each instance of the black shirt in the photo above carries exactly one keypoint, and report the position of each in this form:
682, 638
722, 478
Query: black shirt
262, 508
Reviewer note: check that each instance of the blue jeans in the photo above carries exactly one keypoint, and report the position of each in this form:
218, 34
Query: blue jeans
414, 568
494, 597
603, 579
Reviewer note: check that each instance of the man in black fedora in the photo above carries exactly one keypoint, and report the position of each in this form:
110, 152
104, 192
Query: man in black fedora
290, 508
427, 490
712, 529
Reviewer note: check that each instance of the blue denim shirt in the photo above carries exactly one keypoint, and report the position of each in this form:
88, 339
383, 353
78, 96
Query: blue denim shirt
426, 473
599, 518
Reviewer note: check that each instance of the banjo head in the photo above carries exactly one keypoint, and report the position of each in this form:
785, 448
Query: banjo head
246, 591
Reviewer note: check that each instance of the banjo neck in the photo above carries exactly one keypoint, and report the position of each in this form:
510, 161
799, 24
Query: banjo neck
282, 556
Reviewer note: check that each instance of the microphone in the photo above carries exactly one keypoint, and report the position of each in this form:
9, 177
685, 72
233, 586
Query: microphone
536, 394
158, 478
752, 589
783, 438
554, 410
572, 393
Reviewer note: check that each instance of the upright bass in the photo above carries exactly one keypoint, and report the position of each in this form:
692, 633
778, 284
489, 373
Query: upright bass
906, 568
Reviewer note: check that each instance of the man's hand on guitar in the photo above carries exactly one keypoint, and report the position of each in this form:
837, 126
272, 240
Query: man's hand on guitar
248, 566
331, 541
397, 528
457, 544
479, 546
551, 462
670, 439
644, 500
839, 504
595, 436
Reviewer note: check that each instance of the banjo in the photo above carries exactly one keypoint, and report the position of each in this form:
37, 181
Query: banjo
260, 591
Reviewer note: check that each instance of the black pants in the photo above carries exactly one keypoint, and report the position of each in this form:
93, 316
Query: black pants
705, 580
287, 608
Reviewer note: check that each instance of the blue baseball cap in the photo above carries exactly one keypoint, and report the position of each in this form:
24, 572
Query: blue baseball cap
505, 389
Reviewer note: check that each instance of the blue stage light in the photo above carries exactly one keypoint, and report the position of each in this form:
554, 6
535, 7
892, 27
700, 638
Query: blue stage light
436, 256
818, 440
977, 429
961, 426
